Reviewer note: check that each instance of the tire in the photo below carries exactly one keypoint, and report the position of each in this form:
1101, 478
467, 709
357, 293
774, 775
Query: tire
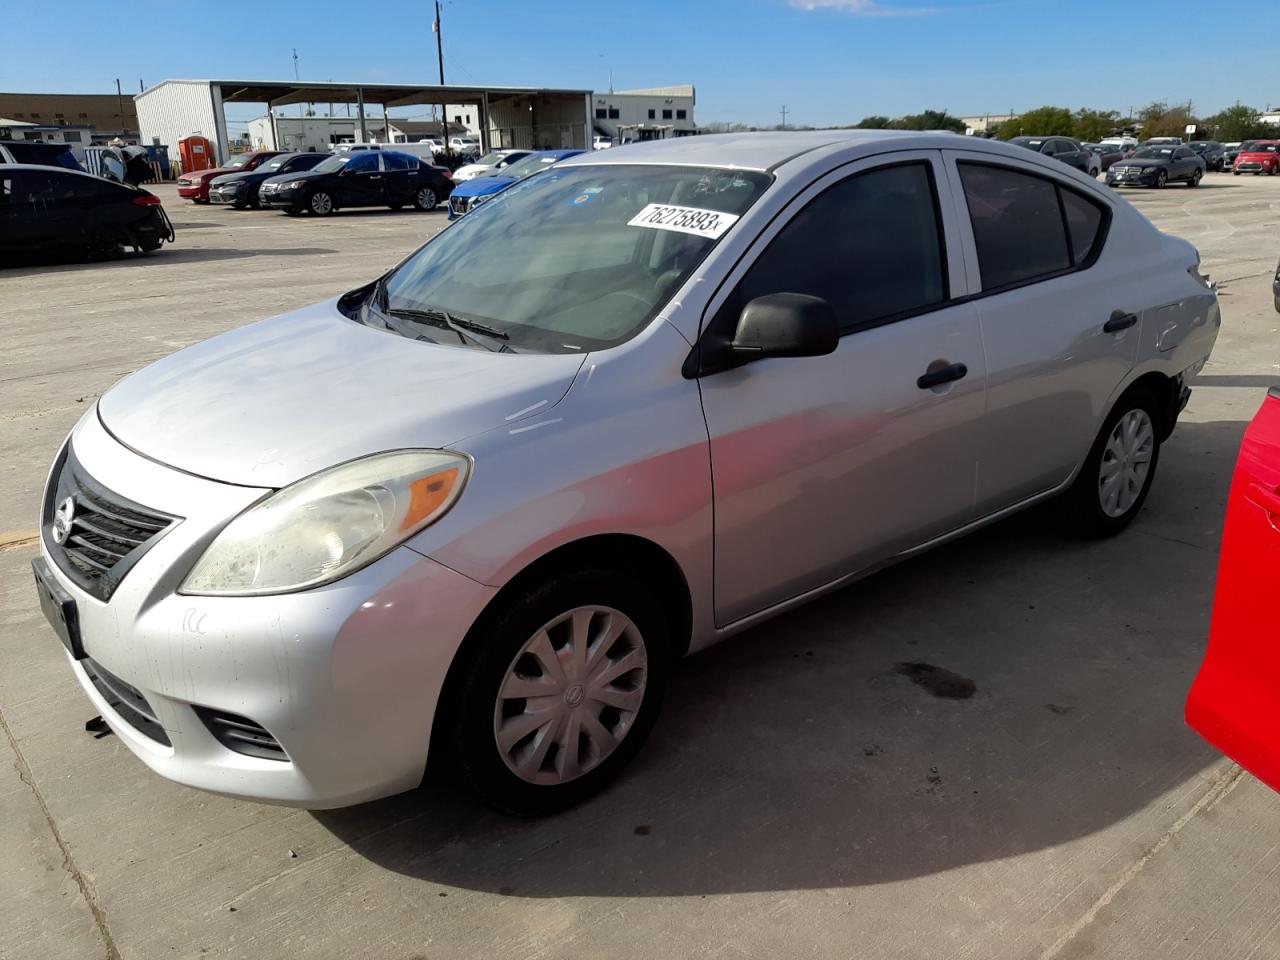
1235, 173
426, 199
289, 211
501, 660
1271, 172
1195, 179
321, 203
1161, 179
1099, 507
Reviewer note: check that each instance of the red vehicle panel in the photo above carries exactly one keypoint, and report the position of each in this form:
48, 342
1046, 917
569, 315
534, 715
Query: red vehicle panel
195, 186
1235, 700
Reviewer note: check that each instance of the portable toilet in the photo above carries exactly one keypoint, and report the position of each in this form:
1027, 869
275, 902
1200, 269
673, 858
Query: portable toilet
196, 153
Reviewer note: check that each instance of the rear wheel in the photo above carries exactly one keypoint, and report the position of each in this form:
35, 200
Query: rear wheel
561, 691
425, 199
1116, 477
320, 203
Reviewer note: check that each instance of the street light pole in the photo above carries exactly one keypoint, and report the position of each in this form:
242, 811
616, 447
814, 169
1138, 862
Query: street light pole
444, 107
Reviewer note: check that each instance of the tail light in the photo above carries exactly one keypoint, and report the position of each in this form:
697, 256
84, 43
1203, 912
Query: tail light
147, 200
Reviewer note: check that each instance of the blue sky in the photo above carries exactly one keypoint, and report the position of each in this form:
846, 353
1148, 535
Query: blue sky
829, 61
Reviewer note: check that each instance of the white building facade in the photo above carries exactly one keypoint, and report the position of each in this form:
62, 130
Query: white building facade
652, 113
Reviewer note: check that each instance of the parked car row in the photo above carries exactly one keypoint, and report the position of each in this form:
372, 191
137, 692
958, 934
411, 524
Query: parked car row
358, 175
469, 195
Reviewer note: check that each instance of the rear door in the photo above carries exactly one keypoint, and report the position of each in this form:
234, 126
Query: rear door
400, 177
823, 466
1044, 295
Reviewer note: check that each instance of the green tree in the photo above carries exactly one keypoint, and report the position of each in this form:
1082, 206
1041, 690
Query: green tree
873, 122
1042, 122
929, 120
1236, 123
1161, 120
1090, 126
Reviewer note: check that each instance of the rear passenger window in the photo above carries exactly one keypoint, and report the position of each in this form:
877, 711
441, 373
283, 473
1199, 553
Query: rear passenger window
1084, 225
870, 246
396, 161
1026, 227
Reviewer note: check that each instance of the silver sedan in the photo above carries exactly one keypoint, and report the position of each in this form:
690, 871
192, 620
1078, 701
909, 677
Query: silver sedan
624, 410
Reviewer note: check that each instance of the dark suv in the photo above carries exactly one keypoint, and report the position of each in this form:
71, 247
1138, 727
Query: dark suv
1065, 149
1211, 152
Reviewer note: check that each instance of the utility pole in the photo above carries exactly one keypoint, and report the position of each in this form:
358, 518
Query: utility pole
444, 107
120, 104
784, 116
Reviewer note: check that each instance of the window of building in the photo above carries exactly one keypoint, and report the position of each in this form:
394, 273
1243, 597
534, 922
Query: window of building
613, 113
653, 114
72, 136
1027, 227
601, 113
18, 116
35, 116
869, 245
666, 114
83, 116
682, 114
58, 116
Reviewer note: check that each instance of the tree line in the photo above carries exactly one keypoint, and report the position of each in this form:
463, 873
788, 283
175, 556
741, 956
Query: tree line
1158, 119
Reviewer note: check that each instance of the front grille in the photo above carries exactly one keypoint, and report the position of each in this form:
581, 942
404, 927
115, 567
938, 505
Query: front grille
459, 205
241, 735
107, 534
126, 701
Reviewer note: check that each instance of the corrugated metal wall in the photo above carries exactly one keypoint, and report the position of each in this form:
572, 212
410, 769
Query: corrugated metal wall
173, 110
554, 123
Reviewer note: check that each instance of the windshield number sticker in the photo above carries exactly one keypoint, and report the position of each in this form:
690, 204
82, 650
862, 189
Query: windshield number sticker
700, 223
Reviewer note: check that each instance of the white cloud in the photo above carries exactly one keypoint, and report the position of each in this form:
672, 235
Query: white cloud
862, 8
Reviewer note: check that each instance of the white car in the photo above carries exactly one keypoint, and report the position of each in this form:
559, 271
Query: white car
492, 162
601, 143
634, 404
464, 145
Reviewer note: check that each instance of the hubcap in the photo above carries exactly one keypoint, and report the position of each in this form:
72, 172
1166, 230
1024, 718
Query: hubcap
1126, 461
321, 203
426, 198
571, 695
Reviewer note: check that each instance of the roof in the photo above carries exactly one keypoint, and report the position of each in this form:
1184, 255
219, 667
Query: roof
282, 92
679, 90
6, 122
748, 151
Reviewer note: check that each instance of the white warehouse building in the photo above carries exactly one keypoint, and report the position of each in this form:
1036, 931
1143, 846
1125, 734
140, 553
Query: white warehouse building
652, 113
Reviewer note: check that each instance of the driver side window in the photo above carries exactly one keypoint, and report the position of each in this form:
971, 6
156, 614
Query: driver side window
871, 246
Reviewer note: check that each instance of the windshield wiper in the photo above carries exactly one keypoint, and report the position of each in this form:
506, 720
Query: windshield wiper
443, 318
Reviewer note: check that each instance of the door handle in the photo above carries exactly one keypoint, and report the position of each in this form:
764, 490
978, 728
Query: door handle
375, 176
936, 378
1268, 500
1119, 321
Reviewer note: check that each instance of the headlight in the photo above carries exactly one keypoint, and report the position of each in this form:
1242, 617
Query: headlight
482, 198
329, 524
290, 185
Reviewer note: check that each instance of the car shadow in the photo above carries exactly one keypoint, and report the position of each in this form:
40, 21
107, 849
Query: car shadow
165, 255
358, 212
819, 750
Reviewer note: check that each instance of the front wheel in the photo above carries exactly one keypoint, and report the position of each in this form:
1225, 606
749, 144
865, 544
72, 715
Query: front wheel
1195, 179
1114, 481
560, 691
321, 203
1161, 179
425, 199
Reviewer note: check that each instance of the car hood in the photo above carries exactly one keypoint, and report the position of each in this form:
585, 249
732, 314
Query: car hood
479, 186
472, 169
1144, 162
295, 175
275, 401
210, 174
231, 177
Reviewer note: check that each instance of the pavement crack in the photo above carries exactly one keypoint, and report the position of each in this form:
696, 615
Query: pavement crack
68, 861
1217, 792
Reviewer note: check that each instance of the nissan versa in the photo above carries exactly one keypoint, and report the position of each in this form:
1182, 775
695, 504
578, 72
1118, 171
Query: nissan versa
625, 409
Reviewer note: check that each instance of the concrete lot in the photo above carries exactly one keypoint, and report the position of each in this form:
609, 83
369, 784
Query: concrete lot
798, 798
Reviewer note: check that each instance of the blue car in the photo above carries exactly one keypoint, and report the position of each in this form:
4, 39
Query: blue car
470, 194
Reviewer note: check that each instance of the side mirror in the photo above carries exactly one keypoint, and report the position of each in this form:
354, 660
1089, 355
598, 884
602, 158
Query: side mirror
785, 325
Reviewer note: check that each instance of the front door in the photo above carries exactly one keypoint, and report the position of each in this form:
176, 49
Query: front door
823, 466
1060, 327
360, 183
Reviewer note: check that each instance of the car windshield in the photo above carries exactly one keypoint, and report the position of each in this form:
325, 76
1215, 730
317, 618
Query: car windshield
491, 158
274, 164
1263, 148
528, 166
333, 164
1032, 143
238, 161
1153, 153
579, 258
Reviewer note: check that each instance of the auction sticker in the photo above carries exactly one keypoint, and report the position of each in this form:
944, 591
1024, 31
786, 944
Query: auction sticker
700, 223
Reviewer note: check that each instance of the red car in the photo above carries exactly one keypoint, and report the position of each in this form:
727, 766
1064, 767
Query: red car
195, 185
1258, 156
1235, 700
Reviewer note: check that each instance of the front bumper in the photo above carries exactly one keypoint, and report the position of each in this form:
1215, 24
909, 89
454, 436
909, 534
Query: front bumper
344, 677
1146, 178
281, 199
193, 192
223, 195
1252, 166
